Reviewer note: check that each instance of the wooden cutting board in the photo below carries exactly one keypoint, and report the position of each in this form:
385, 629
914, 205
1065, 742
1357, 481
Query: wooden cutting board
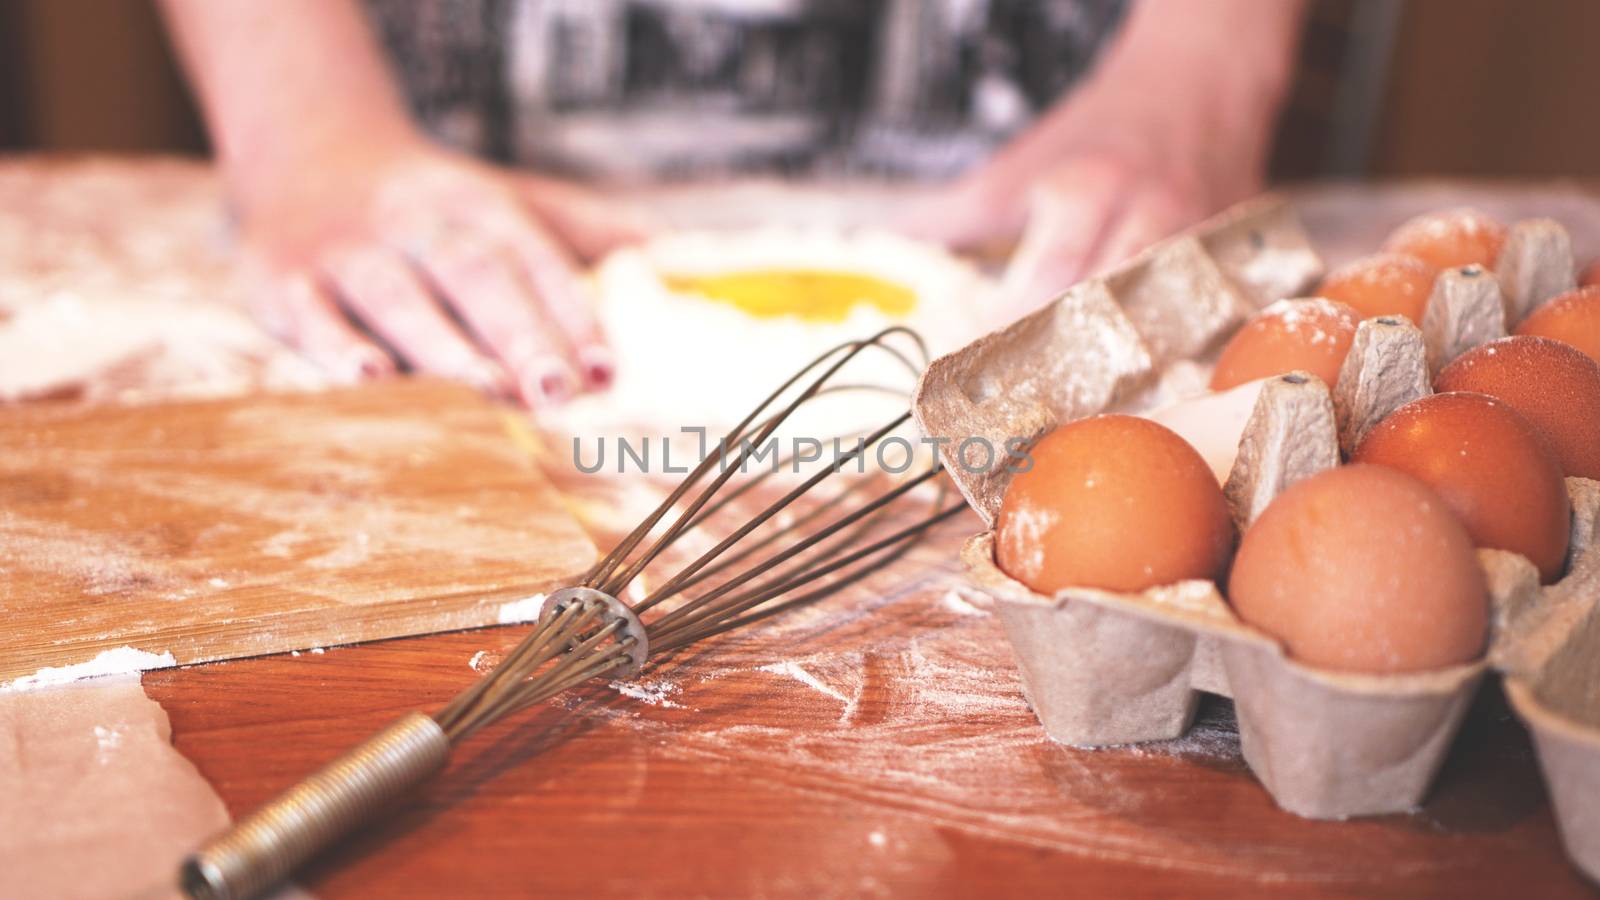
220, 529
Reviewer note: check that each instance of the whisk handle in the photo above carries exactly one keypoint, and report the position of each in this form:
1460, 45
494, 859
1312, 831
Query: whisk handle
262, 849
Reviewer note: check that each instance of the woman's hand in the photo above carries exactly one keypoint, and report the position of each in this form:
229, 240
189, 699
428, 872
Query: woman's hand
1172, 126
1123, 173
348, 213
461, 269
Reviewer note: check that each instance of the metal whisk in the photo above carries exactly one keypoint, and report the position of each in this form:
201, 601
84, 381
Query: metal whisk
585, 632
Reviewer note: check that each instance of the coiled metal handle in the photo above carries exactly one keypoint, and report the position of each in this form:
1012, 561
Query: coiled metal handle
269, 844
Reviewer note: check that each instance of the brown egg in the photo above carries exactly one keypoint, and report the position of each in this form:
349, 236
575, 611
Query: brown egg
1444, 240
1388, 284
1491, 467
1571, 318
1313, 335
1363, 568
1554, 386
1590, 276
1113, 502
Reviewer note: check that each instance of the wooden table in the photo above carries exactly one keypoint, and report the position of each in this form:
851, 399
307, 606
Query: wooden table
876, 744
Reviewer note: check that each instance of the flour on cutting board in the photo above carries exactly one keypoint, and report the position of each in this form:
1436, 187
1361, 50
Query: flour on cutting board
120, 661
524, 610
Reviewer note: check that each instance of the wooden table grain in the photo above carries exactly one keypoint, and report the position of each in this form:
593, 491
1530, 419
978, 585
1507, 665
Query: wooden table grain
876, 744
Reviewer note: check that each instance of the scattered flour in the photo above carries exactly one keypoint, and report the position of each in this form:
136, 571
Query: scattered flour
352, 552
791, 669
1214, 735
1031, 525
1311, 315
481, 662
931, 721
120, 661
954, 601
656, 693
107, 740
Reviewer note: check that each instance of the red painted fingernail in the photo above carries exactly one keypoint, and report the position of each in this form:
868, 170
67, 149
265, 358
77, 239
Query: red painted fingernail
554, 387
361, 364
599, 369
374, 368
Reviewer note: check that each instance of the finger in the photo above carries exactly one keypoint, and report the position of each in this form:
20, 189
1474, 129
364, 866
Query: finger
963, 216
483, 283
295, 309
590, 223
1147, 218
562, 294
380, 288
1065, 227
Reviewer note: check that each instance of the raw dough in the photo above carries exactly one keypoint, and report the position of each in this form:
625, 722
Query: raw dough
97, 801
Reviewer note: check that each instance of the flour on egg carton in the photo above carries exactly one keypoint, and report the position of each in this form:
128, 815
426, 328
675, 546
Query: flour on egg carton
1103, 668
1107, 338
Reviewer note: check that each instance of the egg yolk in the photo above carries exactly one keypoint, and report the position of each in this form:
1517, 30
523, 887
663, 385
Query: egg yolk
1572, 318
1389, 284
812, 295
1456, 237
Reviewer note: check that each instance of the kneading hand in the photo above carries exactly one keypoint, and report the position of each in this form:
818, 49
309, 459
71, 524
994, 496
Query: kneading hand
1171, 126
446, 261
359, 231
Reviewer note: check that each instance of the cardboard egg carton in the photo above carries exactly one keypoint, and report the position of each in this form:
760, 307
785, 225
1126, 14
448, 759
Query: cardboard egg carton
1102, 668
1548, 645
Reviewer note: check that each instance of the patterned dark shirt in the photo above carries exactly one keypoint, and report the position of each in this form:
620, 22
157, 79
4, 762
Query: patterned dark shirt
658, 89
